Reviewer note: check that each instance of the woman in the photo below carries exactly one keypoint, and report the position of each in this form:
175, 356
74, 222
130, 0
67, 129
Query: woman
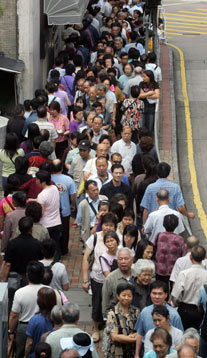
78, 117
149, 93
146, 144
161, 319
132, 109
21, 166
6, 204
120, 324
107, 21
108, 260
145, 250
33, 131
8, 155
68, 81
40, 323
107, 141
95, 244
145, 270
128, 74
130, 237
61, 124
162, 342
127, 219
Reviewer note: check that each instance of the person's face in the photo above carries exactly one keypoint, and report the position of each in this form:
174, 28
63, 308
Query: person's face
160, 321
108, 63
90, 73
92, 93
127, 220
79, 116
106, 143
126, 134
97, 124
93, 192
84, 153
100, 46
108, 226
101, 167
80, 85
187, 353
128, 70
109, 22
115, 10
116, 160
90, 119
86, 87
118, 175
98, 110
103, 102
193, 343
146, 79
125, 298
160, 348
111, 244
145, 278
115, 30
148, 252
107, 84
118, 44
129, 240
124, 60
124, 261
74, 142
101, 150
54, 112
80, 103
122, 203
104, 209
158, 296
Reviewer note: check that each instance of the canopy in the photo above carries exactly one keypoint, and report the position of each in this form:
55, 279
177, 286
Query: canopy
63, 12
11, 65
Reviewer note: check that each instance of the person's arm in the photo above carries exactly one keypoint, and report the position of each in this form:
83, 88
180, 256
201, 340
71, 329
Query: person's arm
1, 222
138, 345
72, 201
67, 100
155, 94
28, 347
85, 268
7, 267
7, 233
13, 321
65, 287
183, 211
145, 215
86, 175
144, 95
122, 338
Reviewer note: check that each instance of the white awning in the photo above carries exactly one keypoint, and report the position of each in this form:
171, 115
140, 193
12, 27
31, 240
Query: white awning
11, 65
63, 12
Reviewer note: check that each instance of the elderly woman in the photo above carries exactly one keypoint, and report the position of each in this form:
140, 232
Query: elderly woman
145, 270
162, 342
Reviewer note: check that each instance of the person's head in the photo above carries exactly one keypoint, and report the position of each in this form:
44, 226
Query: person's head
162, 341
102, 101
19, 199
25, 225
34, 210
125, 259
86, 86
191, 241
48, 248
45, 166
108, 60
134, 54
125, 293
115, 29
36, 141
33, 131
119, 198
78, 113
170, 222
106, 140
158, 292
97, 124
116, 158
145, 250
151, 57
92, 92
126, 134
163, 196
73, 138
35, 272
135, 91
69, 353
46, 300
148, 77
47, 277
108, 222
163, 170
186, 351
43, 178
70, 312
81, 102
91, 189
81, 342
161, 316
146, 144
117, 210
130, 236
84, 149
198, 254
101, 166
57, 166
103, 207
42, 112
27, 105
56, 316
69, 69
128, 69
145, 270
107, 83
45, 134
101, 150
43, 350
128, 218
117, 171
118, 43
111, 240
12, 184
89, 115
191, 337
21, 165
54, 108
11, 144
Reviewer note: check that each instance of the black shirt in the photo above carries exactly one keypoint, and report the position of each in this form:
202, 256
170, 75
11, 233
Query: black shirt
109, 190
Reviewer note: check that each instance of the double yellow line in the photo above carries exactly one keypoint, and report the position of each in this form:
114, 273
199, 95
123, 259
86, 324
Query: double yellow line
191, 162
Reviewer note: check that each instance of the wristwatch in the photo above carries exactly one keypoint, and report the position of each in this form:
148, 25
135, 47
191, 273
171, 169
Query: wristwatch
85, 281
9, 332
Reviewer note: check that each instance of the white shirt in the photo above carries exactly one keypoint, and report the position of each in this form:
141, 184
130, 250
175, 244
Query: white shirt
99, 182
154, 223
127, 152
91, 166
175, 333
183, 263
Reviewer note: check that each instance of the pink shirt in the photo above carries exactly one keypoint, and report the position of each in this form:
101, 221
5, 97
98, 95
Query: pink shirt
61, 123
50, 199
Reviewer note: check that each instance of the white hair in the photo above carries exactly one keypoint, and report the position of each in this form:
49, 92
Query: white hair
125, 249
144, 265
190, 333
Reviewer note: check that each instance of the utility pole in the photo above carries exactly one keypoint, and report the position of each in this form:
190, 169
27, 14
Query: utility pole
151, 7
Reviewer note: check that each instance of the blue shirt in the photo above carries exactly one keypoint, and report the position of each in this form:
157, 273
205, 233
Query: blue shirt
66, 187
149, 200
152, 353
37, 326
138, 47
32, 118
145, 321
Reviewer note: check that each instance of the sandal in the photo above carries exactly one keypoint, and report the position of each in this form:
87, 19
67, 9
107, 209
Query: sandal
95, 337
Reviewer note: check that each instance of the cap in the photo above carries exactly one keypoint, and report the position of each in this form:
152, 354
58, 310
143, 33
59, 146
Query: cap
68, 343
84, 144
46, 148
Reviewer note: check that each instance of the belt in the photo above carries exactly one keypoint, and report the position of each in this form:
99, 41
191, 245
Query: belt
23, 322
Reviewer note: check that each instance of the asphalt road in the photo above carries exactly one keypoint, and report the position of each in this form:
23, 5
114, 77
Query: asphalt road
187, 29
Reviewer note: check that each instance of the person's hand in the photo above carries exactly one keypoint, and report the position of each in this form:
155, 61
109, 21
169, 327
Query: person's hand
113, 124
11, 337
191, 215
85, 286
136, 356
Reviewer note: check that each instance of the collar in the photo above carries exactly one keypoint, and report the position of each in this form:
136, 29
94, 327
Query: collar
125, 144
197, 266
91, 200
163, 207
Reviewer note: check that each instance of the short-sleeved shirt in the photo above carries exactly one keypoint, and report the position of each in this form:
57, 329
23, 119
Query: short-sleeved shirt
5, 208
97, 273
66, 187
148, 107
175, 333
8, 163
62, 123
51, 200
127, 151
44, 124
106, 266
60, 276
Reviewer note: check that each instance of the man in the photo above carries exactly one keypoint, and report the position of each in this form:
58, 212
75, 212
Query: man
103, 176
25, 306
118, 46
158, 295
116, 158
184, 262
126, 148
90, 167
59, 66
123, 61
117, 186
88, 114
75, 152
22, 250
16, 123
186, 289
79, 162
186, 351
151, 65
154, 223
123, 274
92, 93
101, 91
97, 129
191, 338
88, 209
67, 190
176, 198
70, 315
133, 81
33, 115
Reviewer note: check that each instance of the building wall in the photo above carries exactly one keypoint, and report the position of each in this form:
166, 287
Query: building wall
8, 28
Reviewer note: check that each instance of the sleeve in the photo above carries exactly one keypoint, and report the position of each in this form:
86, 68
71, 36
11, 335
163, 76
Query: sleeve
72, 188
90, 242
64, 276
176, 321
31, 328
66, 123
111, 323
54, 134
16, 306
88, 166
147, 343
105, 267
201, 298
71, 168
148, 226
21, 152
178, 289
175, 272
106, 296
179, 197
69, 158
146, 199
177, 338
139, 326
41, 198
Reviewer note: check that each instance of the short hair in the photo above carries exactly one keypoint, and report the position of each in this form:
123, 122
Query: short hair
128, 213
19, 198
132, 231
135, 91
123, 287
57, 166
112, 234
43, 349
117, 166
144, 265
34, 210
87, 111
103, 203
159, 284
46, 300
192, 241
55, 105
198, 253
105, 136
41, 112
51, 87
102, 158
190, 333
123, 54
25, 224
35, 271
188, 346
128, 64
125, 249
117, 154
163, 334
88, 183
163, 170
27, 104
170, 222
55, 315
70, 312
35, 103
43, 176
151, 57
77, 109
21, 165
117, 209
47, 277
146, 144
163, 194
48, 248
161, 310
37, 141
109, 218
141, 247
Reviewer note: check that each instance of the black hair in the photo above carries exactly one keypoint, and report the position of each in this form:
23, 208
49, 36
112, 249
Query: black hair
11, 144
163, 170
82, 98
33, 131
49, 248
89, 182
123, 54
123, 287
37, 141
43, 350
45, 166
51, 87
25, 225
59, 61
198, 253
128, 64
112, 234
133, 35
19, 198
117, 210
161, 310
69, 69
39, 92
151, 57
132, 231
83, 340
12, 184
35, 271
128, 213
103, 203
57, 166
170, 222
159, 284
117, 166
34, 210
97, 104
21, 165
41, 111
109, 218
27, 104
47, 277
133, 53
19, 108
105, 136
77, 109
43, 176
135, 91
141, 247
55, 105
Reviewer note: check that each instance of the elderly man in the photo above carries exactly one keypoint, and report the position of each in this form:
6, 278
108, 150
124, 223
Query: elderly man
191, 338
123, 274
186, 289
69, 353
133, 81
154, 223
70, 315
103, 176
90, 167
98, 131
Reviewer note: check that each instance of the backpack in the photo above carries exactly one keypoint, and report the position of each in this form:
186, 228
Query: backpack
149, 66
113, 266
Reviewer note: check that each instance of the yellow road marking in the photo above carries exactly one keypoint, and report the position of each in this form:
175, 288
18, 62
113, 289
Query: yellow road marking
195, 32
191, 12
186, 24
191, 161
185, 27
202, 9
176, 34
194, 17
186, 20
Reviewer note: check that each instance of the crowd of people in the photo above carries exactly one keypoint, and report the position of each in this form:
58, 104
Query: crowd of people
81, 153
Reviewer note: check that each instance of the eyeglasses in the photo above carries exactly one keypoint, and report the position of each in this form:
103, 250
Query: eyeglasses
116, 161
